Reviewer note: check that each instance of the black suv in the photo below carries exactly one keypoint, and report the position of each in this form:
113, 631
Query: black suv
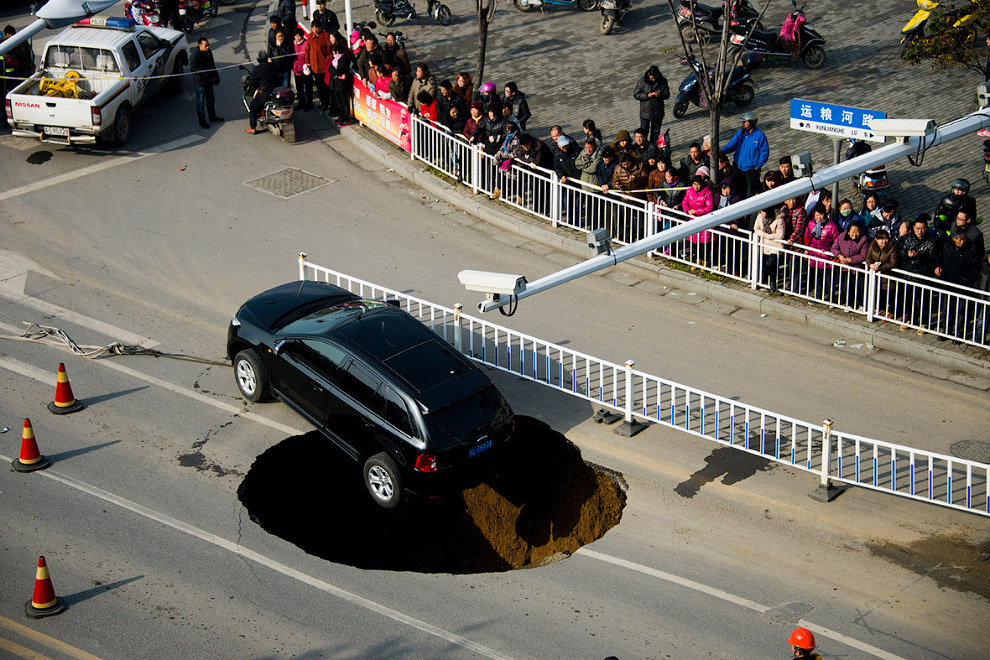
420, 417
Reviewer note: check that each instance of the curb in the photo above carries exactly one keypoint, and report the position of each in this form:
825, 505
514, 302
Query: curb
382, 153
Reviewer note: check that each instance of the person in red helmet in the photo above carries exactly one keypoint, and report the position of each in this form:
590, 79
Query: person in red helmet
803, 644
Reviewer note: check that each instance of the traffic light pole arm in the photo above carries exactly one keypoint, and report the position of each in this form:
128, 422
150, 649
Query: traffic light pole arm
886, 154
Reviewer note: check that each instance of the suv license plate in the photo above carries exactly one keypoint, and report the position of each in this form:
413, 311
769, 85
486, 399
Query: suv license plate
474, 451
56, 130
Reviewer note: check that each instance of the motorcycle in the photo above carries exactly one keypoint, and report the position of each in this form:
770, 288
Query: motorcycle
194, 11
810, 46
144, 12
915, 28
584, 5
612, 13
389, 10
702, 21
277, 115
739, 90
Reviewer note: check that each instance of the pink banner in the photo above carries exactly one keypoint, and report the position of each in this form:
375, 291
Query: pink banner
388, 118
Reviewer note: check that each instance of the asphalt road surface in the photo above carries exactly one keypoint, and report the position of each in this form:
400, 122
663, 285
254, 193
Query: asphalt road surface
717, 555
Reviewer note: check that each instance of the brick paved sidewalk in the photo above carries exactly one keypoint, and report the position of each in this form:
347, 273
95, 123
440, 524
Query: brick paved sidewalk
570, 72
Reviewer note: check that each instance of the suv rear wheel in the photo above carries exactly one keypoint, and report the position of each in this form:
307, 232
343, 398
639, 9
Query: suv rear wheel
382, 479
251, 378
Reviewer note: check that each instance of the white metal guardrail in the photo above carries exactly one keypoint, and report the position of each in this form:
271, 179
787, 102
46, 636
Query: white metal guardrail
936, 307
816, 448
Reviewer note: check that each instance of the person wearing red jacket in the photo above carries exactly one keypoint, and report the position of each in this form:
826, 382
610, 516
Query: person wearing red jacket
318, 58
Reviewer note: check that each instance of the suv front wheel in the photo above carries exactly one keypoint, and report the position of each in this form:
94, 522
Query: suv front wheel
381, 477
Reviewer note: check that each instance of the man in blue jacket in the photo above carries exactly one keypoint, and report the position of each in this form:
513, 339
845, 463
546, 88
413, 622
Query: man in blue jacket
752, 150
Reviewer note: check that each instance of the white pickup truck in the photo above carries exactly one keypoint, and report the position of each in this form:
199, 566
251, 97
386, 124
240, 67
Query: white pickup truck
93, 75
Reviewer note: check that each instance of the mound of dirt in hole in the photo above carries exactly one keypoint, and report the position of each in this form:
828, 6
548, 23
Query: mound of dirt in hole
545, 502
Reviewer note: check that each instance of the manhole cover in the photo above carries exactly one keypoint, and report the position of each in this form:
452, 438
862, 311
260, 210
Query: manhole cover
288, 182
971, 450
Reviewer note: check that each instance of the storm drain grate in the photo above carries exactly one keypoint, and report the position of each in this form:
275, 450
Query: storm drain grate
971, 450
288, 182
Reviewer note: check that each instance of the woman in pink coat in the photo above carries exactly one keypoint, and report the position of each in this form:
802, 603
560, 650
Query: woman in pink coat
820, 235
698, 201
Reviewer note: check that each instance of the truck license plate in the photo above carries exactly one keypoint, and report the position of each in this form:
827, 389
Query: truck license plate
56, 130
474, 451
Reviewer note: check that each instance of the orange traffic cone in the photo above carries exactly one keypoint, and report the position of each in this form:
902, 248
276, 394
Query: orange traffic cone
44, 602
31, 458
64, 402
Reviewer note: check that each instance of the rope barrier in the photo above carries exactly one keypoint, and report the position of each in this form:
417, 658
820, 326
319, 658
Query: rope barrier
51, 336
132, 78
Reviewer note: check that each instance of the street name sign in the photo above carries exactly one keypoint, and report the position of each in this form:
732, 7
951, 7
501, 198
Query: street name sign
837, 121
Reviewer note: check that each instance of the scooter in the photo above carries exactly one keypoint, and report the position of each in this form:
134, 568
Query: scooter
389, 10
144, 12
277, 115
915, 28
809, 46
872, 180
612, 13
584, 5
194, 11
705, 22
361, 31
739, 90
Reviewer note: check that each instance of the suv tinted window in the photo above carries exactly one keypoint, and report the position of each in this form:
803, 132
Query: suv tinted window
464, 420
324, 358
397, 414
364, 386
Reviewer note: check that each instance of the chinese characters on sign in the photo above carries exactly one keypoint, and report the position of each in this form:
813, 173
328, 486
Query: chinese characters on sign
387, 118
838, 121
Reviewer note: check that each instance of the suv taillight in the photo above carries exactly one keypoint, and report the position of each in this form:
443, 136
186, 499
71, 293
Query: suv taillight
425, 463
10, 110
97, 116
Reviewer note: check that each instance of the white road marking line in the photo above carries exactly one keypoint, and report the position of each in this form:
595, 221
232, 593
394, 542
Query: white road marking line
50, 309
31, 371
676, 579
99, 167
848, 641
736, 600
279, 567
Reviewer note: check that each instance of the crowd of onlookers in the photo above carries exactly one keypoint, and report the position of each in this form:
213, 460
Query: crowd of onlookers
866, 231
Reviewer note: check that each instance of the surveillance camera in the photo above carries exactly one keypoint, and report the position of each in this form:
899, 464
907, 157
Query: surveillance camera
598, 240
801, 164
983, 93
902, 128
492, 284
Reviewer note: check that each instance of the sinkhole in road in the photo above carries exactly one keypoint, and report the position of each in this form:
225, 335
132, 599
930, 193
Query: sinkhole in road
543, 504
